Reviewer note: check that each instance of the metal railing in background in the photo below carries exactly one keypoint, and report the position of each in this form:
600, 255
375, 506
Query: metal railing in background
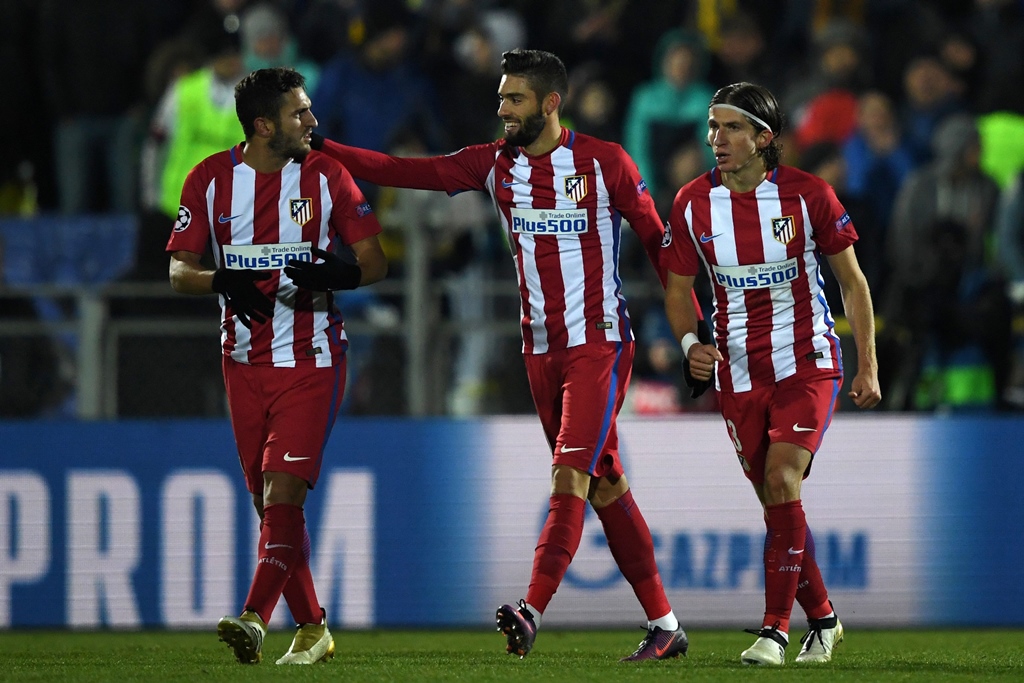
93, 332
444, 327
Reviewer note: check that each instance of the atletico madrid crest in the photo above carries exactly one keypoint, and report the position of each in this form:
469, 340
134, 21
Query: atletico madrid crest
784, 229
576, 187
301, 210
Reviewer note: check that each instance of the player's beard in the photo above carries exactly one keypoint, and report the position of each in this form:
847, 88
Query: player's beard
530, 129
280, 145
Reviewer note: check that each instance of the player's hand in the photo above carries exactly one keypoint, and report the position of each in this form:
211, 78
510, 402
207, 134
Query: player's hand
864, 390
699, 366
331, 275
243, 296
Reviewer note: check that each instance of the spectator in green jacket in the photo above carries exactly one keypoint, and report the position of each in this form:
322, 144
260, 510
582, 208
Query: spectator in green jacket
671, 108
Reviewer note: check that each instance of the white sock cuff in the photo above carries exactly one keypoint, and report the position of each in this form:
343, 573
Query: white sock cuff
666, 623
535, 613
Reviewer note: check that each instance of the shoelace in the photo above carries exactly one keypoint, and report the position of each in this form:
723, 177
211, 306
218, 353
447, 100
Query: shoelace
525, 612
257, 635
648, 639
808, 638
770, 632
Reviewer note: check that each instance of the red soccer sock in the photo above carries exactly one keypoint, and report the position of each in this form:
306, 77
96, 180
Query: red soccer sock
280, 552
783, 559
811, 592
558, 542
299, 592
631, 544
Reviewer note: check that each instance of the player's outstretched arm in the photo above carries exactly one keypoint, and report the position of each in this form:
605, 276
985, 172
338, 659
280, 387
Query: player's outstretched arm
382, 169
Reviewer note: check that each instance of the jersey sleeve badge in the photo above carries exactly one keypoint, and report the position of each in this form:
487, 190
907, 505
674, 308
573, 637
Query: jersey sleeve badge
184, 219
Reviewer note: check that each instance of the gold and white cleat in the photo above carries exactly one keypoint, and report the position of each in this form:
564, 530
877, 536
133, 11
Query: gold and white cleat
312, 643
244, 635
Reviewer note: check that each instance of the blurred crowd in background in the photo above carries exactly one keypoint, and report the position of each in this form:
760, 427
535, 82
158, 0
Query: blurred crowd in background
912, 110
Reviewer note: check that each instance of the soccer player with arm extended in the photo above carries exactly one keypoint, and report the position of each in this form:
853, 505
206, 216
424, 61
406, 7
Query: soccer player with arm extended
561, 197
759, 229
273, 212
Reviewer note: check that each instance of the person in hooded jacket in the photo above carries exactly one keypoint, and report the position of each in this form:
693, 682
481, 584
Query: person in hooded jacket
943, 296
671, 108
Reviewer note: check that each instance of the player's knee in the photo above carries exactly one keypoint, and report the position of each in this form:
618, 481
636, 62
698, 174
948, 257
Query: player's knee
606, 490
281, 487
569, 480
781, 484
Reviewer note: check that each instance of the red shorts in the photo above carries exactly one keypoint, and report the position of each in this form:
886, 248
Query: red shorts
578, 393
795, 410
282, 417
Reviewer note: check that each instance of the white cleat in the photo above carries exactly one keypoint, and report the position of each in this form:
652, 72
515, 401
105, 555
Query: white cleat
768, 650
312, 643
820, 639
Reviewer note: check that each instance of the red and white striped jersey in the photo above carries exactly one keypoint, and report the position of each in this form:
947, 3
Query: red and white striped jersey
761, 250
562, 213
255, 220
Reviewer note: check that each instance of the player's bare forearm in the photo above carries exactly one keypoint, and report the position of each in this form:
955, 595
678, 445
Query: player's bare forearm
682, 317
680, 308
188, 276
864, 390
371, 260
861, 316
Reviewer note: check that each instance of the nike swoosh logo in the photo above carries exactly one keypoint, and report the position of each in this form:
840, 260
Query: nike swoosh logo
795, 552
570, 450
507, 183
705, 238
798, 428
227, 219
288, 457
271, 546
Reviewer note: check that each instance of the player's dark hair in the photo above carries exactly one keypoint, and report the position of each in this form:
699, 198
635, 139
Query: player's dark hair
544, 72
760, 102
261, 95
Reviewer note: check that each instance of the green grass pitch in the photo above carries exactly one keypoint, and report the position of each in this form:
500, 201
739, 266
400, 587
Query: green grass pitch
478, 656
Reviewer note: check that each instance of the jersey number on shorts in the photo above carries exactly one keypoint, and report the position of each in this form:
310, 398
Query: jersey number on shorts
734, 434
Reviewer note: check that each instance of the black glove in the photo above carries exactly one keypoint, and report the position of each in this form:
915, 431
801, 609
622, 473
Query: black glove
333, 274
243, 296
316, 141
698, 387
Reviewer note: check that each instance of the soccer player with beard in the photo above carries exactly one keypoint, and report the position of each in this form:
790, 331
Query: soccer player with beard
759, 229
271, 207
561, 197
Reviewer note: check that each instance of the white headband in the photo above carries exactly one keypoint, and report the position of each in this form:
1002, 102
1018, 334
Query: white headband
747, 114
